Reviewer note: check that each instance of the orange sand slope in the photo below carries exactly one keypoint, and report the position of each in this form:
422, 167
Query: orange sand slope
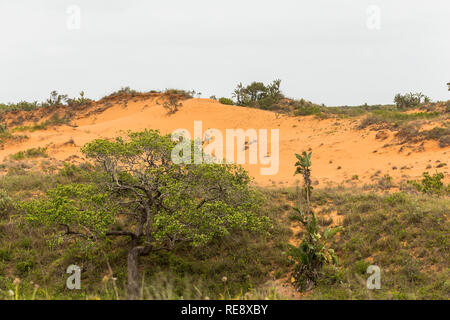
340, 151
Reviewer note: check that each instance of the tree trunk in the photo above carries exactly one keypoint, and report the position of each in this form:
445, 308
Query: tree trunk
133, 292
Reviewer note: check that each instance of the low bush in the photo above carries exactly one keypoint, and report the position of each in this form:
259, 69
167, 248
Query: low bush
226, 101
307, 110
6, 203
30, 153
430, 184
442, 135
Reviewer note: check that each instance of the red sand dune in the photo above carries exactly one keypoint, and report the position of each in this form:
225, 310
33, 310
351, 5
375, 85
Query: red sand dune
340, 151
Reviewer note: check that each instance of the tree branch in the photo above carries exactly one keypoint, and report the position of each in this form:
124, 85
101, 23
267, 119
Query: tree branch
121, 233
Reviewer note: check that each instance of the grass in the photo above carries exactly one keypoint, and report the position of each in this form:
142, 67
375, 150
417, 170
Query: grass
441, 134
405, 233
7, 136
55, 120
29, 254
21, 106
393, 119
30, 153
407, 125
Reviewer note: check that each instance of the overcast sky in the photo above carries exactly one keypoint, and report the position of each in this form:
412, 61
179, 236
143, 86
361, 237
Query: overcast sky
337, 52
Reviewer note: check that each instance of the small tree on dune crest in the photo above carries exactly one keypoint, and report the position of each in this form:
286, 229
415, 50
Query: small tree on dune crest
312, 253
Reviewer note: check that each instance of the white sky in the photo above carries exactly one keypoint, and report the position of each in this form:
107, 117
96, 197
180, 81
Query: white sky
322, 50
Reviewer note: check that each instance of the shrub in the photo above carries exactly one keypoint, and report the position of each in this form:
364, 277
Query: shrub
429, 184
6, 203
172, 105
30, 153
226, 101
307, 110
392, 119
54, 120
410, 100
69, 170
442, 135
182, 94
5, 255
122, 91
24, 267
56, 99
258, 95
385, 182
393, 116
444, 141
81, 101
361, 267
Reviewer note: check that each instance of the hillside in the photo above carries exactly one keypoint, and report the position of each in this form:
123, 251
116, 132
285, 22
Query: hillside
362, 160
341, 149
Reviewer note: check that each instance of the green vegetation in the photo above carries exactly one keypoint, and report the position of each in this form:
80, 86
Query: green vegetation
431, 184
6, 203
141, 226
226, 101
142, 195
258, 95
394, 119
306, 108
30, 153
128, 92
6, 135
54, 120
245, 259
312, 254
405, 233
441, 134
55, 100
410, 100
172, 105
407, 125
269, 97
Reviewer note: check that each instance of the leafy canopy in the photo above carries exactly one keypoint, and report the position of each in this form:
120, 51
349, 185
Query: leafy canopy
142, 193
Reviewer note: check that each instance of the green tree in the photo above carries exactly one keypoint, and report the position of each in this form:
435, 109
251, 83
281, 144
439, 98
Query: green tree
410, 100
258, 95
143, 195
56, 99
